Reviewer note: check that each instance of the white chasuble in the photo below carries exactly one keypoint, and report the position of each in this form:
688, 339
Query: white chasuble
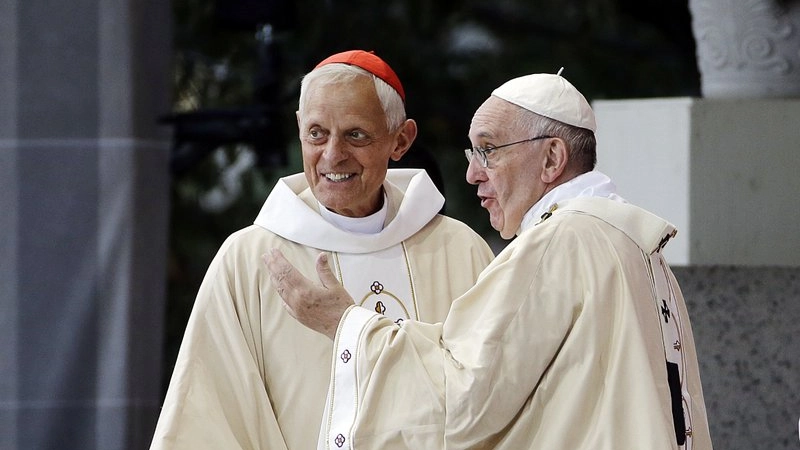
576, 336
249, 376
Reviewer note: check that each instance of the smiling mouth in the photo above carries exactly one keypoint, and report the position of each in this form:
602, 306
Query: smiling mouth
336, 177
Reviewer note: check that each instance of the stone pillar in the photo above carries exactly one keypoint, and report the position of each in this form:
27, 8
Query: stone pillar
84, 198
747, 48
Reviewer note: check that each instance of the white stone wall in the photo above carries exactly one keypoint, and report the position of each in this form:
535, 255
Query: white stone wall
725, 172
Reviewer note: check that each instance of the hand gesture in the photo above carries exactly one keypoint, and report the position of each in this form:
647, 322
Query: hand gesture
319, 307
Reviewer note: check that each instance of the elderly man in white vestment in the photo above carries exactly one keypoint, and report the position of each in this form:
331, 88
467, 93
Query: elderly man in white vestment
248, 376
576, 337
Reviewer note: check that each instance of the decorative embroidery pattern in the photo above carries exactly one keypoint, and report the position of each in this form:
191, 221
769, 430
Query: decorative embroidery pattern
385, 302
383, 284
387, 293
671, 330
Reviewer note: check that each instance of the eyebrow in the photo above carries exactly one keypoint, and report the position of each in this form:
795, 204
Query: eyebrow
485, 135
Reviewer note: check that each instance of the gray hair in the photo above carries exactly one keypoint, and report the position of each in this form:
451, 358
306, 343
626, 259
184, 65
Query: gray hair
393, 107
581, 142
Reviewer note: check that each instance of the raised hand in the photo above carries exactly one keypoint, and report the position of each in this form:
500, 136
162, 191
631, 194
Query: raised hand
319, 307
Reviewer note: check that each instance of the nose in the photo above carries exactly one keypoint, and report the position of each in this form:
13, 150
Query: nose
336, 149
476, 173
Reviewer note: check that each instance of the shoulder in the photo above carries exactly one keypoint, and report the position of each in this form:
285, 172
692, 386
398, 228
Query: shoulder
442, 225
253, 238
573, 244
559, 237
567, 223
451, 237
248, 234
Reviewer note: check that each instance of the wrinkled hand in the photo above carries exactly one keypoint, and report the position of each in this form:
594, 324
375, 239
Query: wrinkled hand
317, 307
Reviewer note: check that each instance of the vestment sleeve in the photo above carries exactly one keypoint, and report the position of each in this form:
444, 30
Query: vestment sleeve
501, 338
457, 384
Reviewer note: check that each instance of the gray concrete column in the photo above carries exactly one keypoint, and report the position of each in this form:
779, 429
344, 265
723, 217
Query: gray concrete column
84, 197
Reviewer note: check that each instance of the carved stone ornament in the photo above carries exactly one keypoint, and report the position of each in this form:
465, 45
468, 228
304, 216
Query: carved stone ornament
747, 48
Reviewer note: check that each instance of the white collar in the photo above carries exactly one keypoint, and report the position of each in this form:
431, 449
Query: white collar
364, 225
589, 184
291, 211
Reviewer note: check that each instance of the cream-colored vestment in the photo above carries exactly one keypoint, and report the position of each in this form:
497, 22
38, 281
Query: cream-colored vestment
248, 376
576, 337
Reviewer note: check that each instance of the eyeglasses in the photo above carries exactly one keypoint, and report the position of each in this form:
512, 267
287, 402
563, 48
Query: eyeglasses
483, 152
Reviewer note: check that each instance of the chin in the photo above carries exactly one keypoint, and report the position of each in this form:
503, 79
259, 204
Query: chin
507, 231
507, 235
497, 224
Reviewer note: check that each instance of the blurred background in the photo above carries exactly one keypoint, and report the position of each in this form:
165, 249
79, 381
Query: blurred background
136, 135
244, 57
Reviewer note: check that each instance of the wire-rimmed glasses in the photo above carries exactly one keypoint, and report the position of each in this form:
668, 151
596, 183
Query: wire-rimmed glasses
483, 152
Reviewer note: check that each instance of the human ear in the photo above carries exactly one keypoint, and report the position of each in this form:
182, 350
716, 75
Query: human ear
405, 137
556, 157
